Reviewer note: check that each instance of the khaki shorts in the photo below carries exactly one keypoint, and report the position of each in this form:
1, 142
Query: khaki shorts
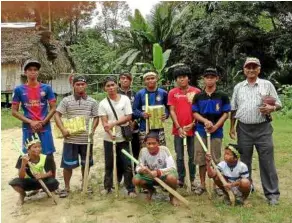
200, 154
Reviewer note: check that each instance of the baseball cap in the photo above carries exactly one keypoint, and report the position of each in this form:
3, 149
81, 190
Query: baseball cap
210, 71
31, 62
252, 60
79, 78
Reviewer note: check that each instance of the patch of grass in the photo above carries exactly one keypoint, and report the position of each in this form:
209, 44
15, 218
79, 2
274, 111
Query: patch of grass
216, 211
8, 121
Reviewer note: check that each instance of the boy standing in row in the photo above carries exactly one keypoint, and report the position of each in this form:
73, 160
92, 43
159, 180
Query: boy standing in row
180, 104
156, 96
211, 108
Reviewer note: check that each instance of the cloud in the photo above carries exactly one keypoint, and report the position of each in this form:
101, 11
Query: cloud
143, 6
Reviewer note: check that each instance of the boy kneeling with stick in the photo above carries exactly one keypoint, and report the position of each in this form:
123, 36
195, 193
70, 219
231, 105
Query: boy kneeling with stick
156, 161
234, 171
34, 166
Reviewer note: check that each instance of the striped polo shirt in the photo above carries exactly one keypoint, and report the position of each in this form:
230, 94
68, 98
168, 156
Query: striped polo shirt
211, 107
233, 173
247, 99
70, 107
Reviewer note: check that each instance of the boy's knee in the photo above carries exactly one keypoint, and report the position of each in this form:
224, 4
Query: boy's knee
171, 179
245, 183
136, 181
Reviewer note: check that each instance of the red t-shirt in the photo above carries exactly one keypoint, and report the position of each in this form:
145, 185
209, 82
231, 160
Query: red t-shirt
183, 106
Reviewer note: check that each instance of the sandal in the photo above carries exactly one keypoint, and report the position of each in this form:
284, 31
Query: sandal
180, 184
218, 191
63, 193
32, 193
194, 186
200, 191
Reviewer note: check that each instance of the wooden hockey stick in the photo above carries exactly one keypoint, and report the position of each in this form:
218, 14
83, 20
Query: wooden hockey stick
187, 170
164, 185
222, 179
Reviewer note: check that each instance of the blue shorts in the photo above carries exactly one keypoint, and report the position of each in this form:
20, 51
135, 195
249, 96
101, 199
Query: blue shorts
46, 138
70, 159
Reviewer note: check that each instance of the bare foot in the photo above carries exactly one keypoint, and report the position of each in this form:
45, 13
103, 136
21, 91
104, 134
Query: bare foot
149, 195
132, 195
174, 201
20, 201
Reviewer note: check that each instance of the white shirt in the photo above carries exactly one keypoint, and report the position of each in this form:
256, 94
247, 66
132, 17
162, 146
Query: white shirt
162, 160
247, 99
122, 107
233, 174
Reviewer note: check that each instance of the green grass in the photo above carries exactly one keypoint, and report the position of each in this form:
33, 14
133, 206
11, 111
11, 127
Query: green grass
261, 212
100, 208
8, 121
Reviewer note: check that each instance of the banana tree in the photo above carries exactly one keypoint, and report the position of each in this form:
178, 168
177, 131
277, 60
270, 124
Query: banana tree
158, 63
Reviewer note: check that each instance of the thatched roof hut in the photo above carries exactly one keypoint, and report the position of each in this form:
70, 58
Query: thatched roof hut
20, 44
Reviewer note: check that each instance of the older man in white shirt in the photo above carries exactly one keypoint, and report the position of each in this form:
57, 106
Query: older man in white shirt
254, 127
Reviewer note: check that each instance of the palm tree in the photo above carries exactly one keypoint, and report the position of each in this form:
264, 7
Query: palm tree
136, 42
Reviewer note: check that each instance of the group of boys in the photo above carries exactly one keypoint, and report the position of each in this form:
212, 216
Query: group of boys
189, 108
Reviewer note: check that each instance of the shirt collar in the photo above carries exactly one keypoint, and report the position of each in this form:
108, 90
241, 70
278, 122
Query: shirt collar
216, 90
79, 97
256, 83
121, 90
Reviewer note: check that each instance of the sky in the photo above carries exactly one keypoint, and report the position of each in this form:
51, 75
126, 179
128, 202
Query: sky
144, 7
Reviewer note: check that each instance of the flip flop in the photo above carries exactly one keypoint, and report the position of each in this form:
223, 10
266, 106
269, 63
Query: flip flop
63, 193
200, 191
32, 193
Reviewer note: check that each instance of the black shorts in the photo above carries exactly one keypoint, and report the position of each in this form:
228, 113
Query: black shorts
28, 184
70, 159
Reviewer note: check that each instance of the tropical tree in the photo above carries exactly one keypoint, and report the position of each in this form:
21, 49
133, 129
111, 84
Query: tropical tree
135, 43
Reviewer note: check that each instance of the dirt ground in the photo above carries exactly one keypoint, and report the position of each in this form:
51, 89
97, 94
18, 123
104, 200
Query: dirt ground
100, 208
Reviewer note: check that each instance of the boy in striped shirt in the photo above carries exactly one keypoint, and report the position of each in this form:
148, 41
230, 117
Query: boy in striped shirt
156, 161
235, 172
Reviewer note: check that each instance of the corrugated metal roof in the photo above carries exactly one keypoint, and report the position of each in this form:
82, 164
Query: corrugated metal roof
18, 25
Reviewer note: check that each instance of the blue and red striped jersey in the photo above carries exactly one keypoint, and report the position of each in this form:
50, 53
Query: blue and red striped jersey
34, 101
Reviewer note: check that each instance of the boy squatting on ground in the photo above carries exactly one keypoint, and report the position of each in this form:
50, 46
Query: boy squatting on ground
156, 161
234, 171
43, 169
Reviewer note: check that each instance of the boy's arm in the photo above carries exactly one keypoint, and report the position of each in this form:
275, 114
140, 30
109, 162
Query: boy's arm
211, 172
51, 112
21, 164
175, 122
52, 103
94, 113
234, 106
60, 125
200, 118
170, 166
137, 105
219, 123
15, 112
232, 133
16, 100
166, 105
